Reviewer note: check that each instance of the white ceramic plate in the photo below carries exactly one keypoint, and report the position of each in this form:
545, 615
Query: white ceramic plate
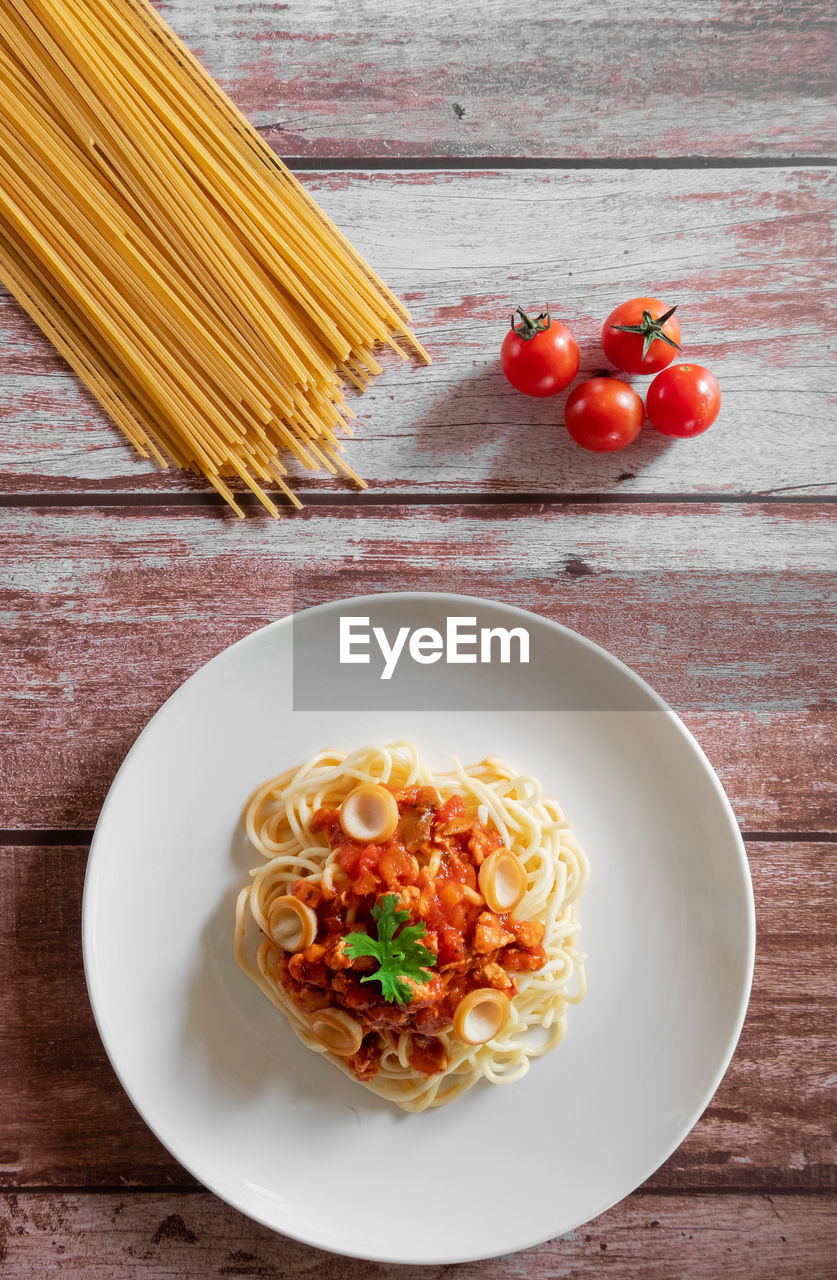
667, 923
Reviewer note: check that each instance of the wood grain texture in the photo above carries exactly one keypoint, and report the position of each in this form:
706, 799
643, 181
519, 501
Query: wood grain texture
647, 1237
709, 77
726, 610
749, 256
65, 1120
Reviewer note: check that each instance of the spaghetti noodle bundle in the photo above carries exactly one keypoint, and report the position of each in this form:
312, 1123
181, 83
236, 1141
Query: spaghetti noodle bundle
416, 1054
198, 291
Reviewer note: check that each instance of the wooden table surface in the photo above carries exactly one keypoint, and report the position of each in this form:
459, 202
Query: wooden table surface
479, 156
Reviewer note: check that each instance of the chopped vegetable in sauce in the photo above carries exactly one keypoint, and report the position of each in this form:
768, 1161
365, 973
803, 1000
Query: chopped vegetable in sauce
422, 882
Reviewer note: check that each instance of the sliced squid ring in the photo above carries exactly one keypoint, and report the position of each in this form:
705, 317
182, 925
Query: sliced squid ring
291, 924
502, 879
481, 1015
338, 1031
369, 814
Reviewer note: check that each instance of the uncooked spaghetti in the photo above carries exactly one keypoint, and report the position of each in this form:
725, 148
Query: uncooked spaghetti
198, 291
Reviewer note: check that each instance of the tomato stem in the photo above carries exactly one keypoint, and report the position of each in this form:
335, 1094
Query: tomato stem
651, 330
529, 326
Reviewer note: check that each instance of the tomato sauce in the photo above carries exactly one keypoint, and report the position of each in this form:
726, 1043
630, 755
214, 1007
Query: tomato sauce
431, 863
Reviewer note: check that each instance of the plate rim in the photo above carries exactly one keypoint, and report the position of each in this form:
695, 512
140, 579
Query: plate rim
95, 855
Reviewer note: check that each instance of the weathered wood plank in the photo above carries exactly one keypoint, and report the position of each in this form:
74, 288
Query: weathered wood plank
646, 1237
65, 1120
747, 254
374, 79
64, 1117
726, 610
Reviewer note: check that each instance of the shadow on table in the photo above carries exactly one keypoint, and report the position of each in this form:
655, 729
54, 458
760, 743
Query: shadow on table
525, 444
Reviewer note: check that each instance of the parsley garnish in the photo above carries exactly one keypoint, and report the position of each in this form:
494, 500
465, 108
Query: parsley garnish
399, 957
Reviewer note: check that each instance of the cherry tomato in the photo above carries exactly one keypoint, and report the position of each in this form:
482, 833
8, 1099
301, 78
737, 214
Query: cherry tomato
539, 356
603, 414
683, 400
641, 335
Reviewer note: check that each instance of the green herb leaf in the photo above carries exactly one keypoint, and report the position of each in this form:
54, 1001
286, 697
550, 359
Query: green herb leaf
399, 957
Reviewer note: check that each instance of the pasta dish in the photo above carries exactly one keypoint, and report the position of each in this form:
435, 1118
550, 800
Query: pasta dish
419, 929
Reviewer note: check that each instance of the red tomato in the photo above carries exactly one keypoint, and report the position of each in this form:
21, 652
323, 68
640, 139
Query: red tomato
683, 400
452, 808
641, 335
539, 356
603, 414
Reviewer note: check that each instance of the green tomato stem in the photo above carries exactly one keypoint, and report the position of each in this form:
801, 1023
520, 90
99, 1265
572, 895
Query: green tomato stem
650, 330
530, 326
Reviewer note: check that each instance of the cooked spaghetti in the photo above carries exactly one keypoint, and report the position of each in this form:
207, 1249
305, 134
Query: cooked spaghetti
187, 277
388, 924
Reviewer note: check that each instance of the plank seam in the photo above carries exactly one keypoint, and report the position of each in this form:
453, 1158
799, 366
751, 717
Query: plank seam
329, 498
45, 1189
310, 164
80, 836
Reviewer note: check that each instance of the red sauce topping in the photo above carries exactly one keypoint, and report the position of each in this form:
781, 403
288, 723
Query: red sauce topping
431, 864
